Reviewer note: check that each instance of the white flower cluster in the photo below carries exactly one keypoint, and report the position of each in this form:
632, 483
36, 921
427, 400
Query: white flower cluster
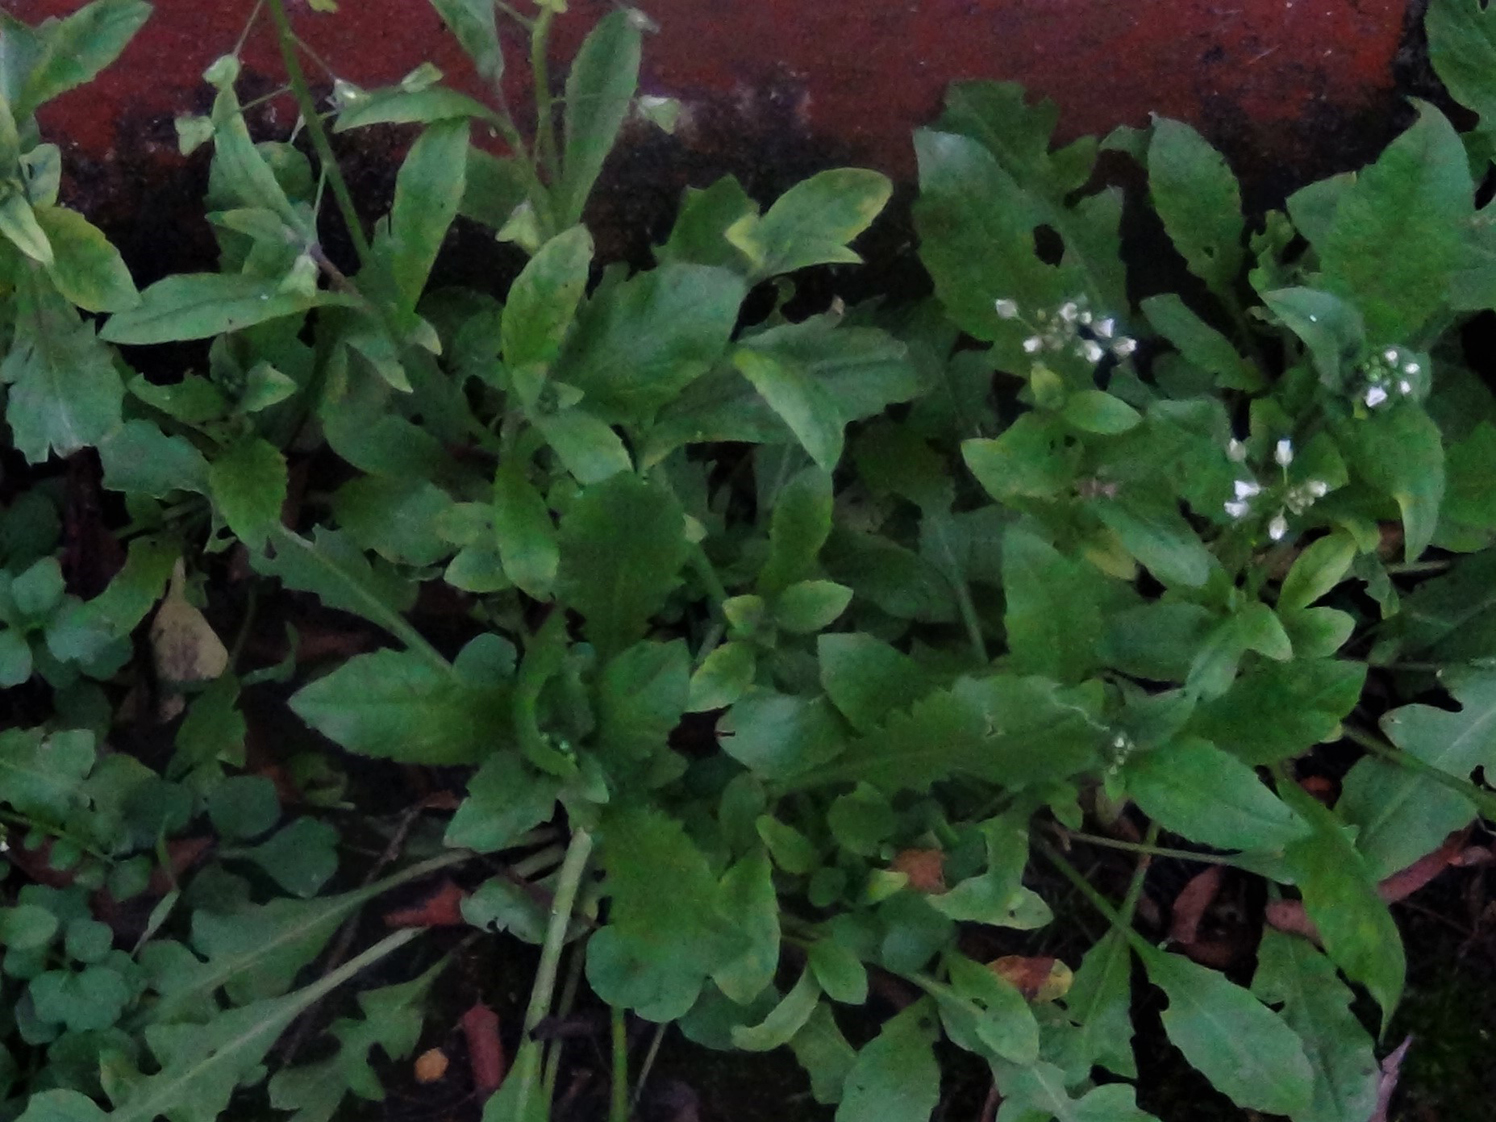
1069, 328
1392, 372
1291, 498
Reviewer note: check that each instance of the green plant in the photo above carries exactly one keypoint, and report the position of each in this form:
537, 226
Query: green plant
954, 580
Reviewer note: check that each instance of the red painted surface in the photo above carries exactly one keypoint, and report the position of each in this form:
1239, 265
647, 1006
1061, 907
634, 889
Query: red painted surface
864, 72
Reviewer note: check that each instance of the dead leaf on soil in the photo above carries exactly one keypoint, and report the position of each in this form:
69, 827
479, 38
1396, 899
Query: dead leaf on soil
1191, 904
925, 869
184, 644
1391, 1066
443, 908
480, 1026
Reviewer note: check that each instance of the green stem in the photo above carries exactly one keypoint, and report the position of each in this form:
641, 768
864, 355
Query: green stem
1484, 800
1096, 900
649, 1058
1135, 887
545, 127
1150, 850
59, 832
573, 868
304, 101
618, 1104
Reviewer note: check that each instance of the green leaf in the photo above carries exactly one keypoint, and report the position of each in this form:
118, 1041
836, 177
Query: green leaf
1330, 327
428, 190
1003, 729
38, 590
493, 186
1199, 343
896, 1077
1293, 973
1192, 788
807, 606
800, 402
777, 736
640, 342
699, 235
506, 799
525, 533
1099, 412
15, 658
86, 269
472, 22
336, 570
77, 47
27, 927
799, 524
90, 1000
866, 678
750, 901
62, 1105
65, 393
396, 105
1318, 569
18, 223
622, 547
244, 806
1400, 452
1199, 202
396, 705
139, 458
301, 857
194, 400
1397, 236
248, 485
1275, 711
783, 1021
543, 299
585, 444
1340, 895
1159, 537
1241, 1046
990, 1013
201, 305
42, 772
667, 929
1397, 810
722, 678
1053, 608
1100, 1003
1031, 459
824, 1054
598, 91
812, 222
839, 972
641, 695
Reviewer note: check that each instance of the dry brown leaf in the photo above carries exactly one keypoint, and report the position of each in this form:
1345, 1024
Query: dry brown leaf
1191, 903
184, 644
925, 869
1039, 978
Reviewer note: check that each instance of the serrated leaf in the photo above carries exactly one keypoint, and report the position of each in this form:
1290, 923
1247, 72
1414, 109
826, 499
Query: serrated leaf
1400, 453
139, 458
1331, 328
77, 47
1100, 1003
65, 393
722, 678
1247, 1051
1316, 1005
800, 403
1396, 239
505, 800
1274, 711
336, 570
1192, 788
1199, 202
42, 772
750, 902
1199, 343
396, 705
301, 857
1052, 608
866, 678
247, 482
428, 189
622, 547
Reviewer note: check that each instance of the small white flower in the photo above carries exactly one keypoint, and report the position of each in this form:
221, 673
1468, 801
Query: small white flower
1313, 318
1068, 311
1246, 489
1124, 347
1092, 351
1006, 309
1032, 344
1404, 387
1277, 527
1085, 319
1375, 395
1236, 451
1390, 354
1318, 488
1411, 368
1105, 327
1119, 741
1283, 452
1237, 510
